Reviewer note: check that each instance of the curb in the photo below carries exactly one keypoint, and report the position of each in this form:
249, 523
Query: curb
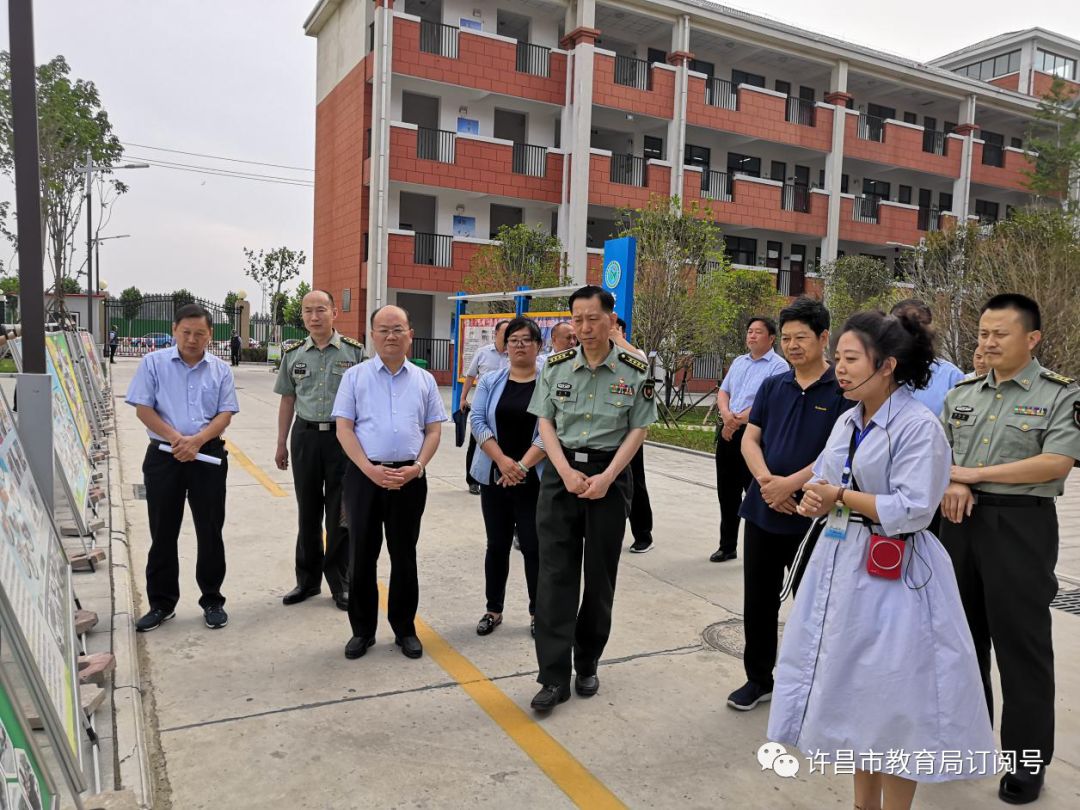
677, 449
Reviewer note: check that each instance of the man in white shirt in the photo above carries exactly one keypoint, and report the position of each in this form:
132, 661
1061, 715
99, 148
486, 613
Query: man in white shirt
488, 358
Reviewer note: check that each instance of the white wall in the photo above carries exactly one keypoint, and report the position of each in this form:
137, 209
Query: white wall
540, 122
448, 200
543, 31
342, 43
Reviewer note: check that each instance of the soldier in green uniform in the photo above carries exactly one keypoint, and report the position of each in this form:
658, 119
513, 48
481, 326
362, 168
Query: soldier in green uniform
594, 404
308, 380
1015, 433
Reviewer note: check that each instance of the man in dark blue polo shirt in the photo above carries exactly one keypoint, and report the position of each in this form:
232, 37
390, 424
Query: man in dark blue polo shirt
790, 422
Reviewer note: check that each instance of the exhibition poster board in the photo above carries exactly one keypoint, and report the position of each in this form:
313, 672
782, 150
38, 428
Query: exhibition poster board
476, 331
64, 366
24, 782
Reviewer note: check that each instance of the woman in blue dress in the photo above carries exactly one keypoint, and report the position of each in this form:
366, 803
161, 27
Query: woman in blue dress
877, 668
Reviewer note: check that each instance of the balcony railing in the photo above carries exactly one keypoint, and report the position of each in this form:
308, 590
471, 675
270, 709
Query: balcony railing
632, 72
439, 39
800, 111
533, 59
790, 282
796, 197
436, 249
436, 351
865, 209
628, 170
933, 141
530, 160
929, 219
435, 144
716, 186
871, 128
721, 93
993, 155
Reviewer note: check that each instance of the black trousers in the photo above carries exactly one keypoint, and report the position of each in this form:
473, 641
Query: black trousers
641, 519
318, 465
112, 352
506, 509
468, 460
766, 558
168, 484
732, 479
370, 510
1004, 559
572, 530
235, 357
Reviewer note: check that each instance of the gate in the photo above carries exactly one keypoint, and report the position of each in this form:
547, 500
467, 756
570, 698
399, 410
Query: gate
147, 324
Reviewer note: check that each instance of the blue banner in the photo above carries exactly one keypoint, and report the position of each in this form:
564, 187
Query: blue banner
620, 262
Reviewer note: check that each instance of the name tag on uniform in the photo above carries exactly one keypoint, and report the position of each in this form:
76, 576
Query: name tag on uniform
1029, 410
836, 525
562, 389
960, 417
300, 370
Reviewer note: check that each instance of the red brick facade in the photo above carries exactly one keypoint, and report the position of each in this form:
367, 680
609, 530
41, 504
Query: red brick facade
759, 115
1010, 82
902, 146
1040, 84
618, 195
659, 102
757, 205
1012, 175
895, 224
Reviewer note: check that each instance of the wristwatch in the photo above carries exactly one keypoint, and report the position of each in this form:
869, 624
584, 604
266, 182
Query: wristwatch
422, 470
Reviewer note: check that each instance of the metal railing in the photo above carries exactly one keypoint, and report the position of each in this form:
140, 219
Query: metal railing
800, 111
435, 144
865, 209
871, 128
439, 39
929, 219
934, 141
709, 366
530, 160
628, 170
795, 197
436, 249
436, 351
721, 93
533, 59
790, 282
716, 186
632, 72
993, 155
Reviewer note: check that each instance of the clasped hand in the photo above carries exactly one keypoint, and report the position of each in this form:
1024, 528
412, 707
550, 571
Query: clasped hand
185, 448
778, 493
511, 471
593, 487
392, 478
818, 498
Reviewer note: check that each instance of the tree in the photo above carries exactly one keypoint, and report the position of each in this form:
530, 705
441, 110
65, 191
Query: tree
72, 125
278, 302
1055, 136
521, 257
131, 300
182, 298
230, 303
857, 283
69, 286
272, 270
294, 309
730, 298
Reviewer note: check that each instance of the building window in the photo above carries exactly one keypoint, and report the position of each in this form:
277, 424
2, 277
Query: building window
653, 148
993, 67
741, 250
742, 77
743, 164
1016, 143
699, 66
904, 195
346, 299
986, 211
1055, 65
911, 118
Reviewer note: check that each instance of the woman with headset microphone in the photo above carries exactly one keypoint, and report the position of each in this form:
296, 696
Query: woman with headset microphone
877, 671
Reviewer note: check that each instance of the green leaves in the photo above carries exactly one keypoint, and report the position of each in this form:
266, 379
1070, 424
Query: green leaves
273, 270
523, 256
1055, 136
131, 298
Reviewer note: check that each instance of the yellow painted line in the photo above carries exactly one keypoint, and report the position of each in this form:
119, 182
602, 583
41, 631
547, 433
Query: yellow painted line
561, 767
253, 470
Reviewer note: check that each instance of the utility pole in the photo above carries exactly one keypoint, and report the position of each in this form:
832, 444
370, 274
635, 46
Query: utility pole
89, 246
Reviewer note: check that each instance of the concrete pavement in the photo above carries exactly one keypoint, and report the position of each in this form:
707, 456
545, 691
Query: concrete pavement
268, 713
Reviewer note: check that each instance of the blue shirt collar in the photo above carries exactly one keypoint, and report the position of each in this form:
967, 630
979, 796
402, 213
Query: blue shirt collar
380, 365
899, 400
174, 354
765, 358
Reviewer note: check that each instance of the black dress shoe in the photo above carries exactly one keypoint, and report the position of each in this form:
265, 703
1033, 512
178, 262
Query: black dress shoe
1022, 787
722, 556
298, 594
586, 685
410, 646
357, 646
551, 696
341, 600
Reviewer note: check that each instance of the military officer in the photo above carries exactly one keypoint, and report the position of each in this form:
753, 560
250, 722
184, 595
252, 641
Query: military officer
1015, 433
307, 381
593, 405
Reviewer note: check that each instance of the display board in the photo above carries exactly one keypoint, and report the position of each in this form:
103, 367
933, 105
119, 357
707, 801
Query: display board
60, 354
23, 780
36, 600
476, 331
93, 361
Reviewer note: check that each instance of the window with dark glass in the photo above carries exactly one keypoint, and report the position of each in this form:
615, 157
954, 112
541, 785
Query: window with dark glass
742, 77
806, 93
903, 195
1016, 143
986, 211
911, 118
657, 55
696, 156
778, 170
743, 164
699, 66
653, 148
741, 250
993, 67
783, 87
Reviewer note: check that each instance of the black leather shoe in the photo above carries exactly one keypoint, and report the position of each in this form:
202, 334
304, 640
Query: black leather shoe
341, 600
298, 594
586, 685
1022, 787
357, 646
722, 556
410, 646
551, 696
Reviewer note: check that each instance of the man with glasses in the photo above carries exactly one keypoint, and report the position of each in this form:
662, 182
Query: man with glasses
308, 381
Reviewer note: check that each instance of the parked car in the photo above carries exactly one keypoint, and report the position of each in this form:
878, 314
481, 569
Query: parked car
155, 340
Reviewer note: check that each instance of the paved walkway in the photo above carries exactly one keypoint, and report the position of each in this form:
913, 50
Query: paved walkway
269, 713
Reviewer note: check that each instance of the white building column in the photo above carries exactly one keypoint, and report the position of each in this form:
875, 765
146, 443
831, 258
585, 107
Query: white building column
838, 96
1027, 67
962, 185
379, 189
680, 57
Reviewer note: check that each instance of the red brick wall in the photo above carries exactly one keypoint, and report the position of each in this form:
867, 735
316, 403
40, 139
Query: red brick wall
894, 225
1011, 175
603, 192
1010, 82
340, 197
478, 166
658, 102
1041, 84
902, 146
403, 273
759, 115
482, 62
758, 205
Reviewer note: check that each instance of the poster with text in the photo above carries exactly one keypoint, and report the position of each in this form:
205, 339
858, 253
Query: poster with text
476, 331
64, 368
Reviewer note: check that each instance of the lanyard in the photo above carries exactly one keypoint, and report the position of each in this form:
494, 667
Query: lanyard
857, 437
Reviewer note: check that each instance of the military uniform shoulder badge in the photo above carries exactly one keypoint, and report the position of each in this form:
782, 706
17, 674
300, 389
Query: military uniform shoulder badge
356, 344
294, 347
561, 357
648, 388
1060, 379
632, 361
972, 380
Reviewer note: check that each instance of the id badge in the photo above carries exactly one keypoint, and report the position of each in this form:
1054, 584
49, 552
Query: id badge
836, 525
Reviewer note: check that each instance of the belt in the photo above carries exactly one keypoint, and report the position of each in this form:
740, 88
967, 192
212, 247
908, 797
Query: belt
320, 426
860, 518
987, 499
393, 464
583, 455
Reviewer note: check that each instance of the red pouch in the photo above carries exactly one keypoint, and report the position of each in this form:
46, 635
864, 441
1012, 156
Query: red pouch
886, 556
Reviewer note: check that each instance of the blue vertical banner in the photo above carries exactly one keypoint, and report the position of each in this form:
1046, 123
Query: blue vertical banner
620, 263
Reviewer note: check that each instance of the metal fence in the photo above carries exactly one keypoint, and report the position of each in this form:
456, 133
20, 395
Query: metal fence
435, 144
145, 325
263, 331
632, 72
439, 39
709, 366
800, 111
436, 249
871, 128
933, 141
436, 351
716, 186
796, 197
530, 160
865, 209
533, 59
721, 93
628, 170
929, 219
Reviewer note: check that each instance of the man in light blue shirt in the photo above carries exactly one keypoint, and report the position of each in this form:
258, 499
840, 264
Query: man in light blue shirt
733, 401
389, 421
943, 375
185, 397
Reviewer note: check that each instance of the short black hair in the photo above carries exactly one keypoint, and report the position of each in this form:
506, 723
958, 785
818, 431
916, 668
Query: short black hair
408, 317
917, 307
193, 311
902, 336
769, 324
607, 300
808, 311
521, 322
1026, 307
621, 323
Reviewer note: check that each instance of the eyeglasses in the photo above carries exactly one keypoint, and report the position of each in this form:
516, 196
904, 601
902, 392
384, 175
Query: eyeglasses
397, 331
519, 343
